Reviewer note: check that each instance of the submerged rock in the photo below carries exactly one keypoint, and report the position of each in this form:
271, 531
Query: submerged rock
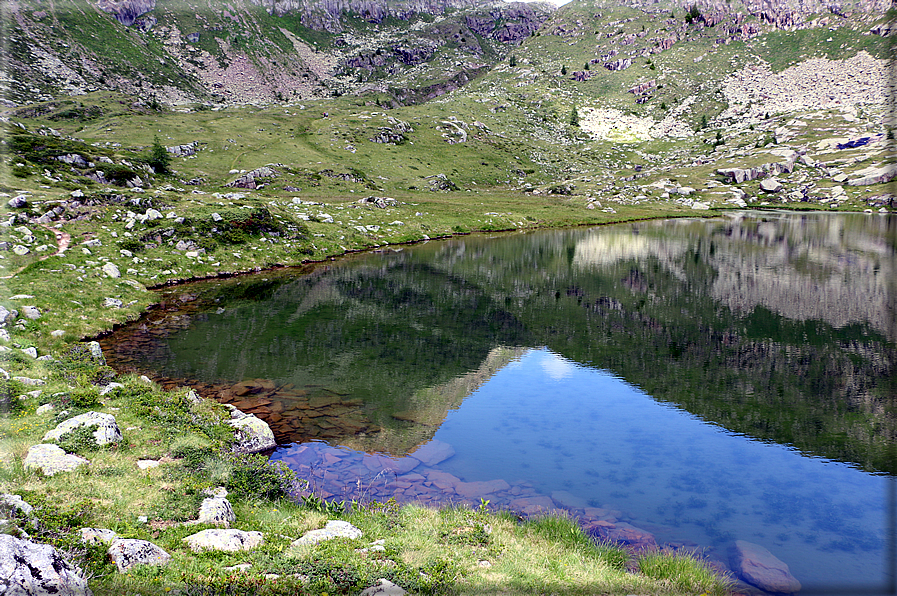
759, 567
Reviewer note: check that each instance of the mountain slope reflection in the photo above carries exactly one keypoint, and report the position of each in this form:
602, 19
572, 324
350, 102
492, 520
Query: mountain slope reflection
774, 326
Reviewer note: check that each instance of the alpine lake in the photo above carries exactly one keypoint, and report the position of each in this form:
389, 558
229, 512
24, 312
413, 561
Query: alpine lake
684, 383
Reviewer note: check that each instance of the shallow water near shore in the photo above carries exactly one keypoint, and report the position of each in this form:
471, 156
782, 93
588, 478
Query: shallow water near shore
682, 383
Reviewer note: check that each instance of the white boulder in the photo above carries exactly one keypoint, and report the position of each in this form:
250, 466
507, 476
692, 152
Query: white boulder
52, 459
225, 540
106, 431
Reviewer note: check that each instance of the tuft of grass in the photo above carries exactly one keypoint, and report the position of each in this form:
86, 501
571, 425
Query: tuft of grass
684, 572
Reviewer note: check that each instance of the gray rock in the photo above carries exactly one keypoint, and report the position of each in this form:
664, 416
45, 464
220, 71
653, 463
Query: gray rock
112, 303
840, 178
97, 536
96, 352
224, 540
31, 312
41, 410
21, 250
333, 529
771, 185
759, 567
16, 502
51, 459
111, 270
216, 511
31, 352
252, 434
32, 569
385, 588
5, 315
127, 553
106, 428
110, 387
17, 202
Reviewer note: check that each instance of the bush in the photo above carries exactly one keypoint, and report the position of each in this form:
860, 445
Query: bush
9, 397
80, 440
131, 244
255, 476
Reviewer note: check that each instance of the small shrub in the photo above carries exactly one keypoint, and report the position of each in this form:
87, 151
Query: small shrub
80, 440
9, 397
255, 476
131, 244
84, 397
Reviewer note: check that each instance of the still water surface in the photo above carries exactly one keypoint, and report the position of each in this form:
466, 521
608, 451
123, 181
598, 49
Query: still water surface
689, 383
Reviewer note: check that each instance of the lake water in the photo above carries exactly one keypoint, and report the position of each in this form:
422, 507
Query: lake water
685, 383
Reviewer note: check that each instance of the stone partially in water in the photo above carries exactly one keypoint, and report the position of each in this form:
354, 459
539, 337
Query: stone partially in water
761, 568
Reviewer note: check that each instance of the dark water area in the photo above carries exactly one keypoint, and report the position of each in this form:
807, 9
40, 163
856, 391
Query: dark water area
685, 383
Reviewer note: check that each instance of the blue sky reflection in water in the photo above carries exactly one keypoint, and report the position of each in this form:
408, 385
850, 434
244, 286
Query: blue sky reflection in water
568, 427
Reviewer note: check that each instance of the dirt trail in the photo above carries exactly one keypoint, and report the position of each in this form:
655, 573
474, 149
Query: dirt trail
63, 240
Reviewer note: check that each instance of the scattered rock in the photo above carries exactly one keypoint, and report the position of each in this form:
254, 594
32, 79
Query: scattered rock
31, 312
384, 588
771, 185
216, 511
333, 529
111, 270
97, 535
127, 553
96, 352
252, 434
224, 540
29, 381
51, 459
106, 432
758, 566
16, 502
17, 202
148, 464
33, 569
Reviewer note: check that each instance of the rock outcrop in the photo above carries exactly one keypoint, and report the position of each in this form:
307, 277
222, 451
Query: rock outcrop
126, 11
32, 569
